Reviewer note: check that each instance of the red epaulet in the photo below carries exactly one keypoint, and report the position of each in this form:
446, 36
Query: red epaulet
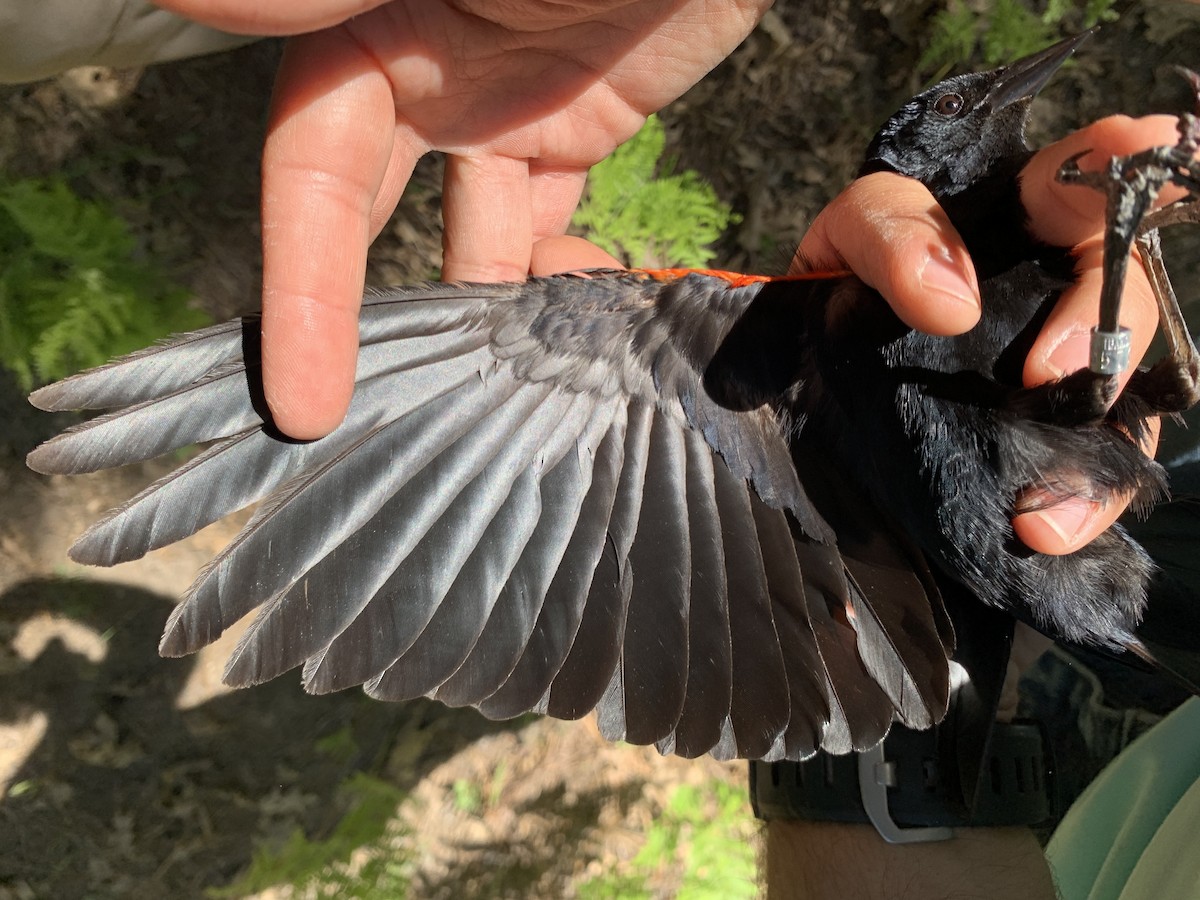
737, 279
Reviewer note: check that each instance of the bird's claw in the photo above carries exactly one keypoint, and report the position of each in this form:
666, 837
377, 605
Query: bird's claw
1070, 173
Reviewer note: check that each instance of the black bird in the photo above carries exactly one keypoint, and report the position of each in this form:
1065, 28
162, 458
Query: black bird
716, 508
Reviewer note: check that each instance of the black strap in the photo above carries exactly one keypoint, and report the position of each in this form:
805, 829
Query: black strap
915, 782
969, 770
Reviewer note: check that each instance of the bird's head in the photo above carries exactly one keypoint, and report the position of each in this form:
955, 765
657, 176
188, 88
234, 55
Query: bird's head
953, 134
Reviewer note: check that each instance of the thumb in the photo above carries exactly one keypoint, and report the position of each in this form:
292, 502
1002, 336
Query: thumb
891, 232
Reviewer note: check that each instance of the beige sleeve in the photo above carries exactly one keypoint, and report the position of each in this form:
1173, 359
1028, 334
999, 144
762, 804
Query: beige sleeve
41, 38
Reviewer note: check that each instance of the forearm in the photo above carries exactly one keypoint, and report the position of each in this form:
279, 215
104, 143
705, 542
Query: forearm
818, 860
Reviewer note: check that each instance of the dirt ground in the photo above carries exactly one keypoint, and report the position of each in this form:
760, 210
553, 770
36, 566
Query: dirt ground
125, 775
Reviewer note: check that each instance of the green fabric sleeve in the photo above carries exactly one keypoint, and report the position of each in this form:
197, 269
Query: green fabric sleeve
41, 38
1134, 834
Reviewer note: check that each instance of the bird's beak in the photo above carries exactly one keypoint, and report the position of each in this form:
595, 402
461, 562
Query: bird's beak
1024, 78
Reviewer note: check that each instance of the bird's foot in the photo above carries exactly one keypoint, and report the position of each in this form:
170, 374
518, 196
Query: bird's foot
1132, 184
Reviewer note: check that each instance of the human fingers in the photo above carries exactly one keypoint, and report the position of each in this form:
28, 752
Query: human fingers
329, 145
1073, 216
891, 232
1072, 522
496, 212
554, 193
488, 219
1063, 345
567, 253
495, 209
1069, 215
1064, 215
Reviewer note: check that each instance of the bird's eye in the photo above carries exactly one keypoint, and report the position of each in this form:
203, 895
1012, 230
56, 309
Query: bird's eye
949, 105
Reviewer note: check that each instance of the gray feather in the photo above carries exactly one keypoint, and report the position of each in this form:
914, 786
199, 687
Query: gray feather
324, 577
247, 467
533, 504
311, 515
759, 705
547, 636
555, 489
654, 655
710, 666
807, 680
444, 536
589, 667
154, 372
218, 406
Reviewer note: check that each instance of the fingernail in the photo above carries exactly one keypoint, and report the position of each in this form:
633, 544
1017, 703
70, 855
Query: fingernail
1068, 519
943, 274
1070, 355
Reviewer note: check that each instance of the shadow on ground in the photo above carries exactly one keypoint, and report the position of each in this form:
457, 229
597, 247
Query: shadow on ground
124, 795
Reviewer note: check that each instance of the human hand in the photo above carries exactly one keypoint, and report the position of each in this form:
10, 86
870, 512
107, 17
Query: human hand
523, 97
890, 231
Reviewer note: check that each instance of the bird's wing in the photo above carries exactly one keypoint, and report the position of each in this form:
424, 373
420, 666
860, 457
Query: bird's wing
554, 496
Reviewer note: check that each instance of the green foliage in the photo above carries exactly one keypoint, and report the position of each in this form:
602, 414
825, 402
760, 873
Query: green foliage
382, 877
639, 209
998, 31
339, 745
18, 788
473, 798
467, 796
952, 39
1014, 31
702, 840
72, 294
304, 863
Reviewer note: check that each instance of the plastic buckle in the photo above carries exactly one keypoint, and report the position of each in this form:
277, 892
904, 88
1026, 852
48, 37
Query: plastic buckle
875, 775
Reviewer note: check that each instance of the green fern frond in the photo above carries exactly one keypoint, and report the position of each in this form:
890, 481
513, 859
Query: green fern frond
72, 295
998, 31
638, 209
302, 863
952, 38
1097, 11
1014, 31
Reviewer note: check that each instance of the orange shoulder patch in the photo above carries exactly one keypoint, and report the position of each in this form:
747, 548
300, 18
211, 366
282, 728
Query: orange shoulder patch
737, 279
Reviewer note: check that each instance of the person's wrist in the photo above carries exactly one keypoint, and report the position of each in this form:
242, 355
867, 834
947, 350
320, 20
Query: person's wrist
819, 860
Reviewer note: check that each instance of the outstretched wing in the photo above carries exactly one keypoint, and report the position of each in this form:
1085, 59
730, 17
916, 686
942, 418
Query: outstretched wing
570, 494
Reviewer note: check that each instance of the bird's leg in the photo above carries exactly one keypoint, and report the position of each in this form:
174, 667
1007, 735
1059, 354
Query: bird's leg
1131, 184
1173, 383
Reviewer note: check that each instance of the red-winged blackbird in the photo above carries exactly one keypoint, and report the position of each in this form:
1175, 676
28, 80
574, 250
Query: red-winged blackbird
709, 505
